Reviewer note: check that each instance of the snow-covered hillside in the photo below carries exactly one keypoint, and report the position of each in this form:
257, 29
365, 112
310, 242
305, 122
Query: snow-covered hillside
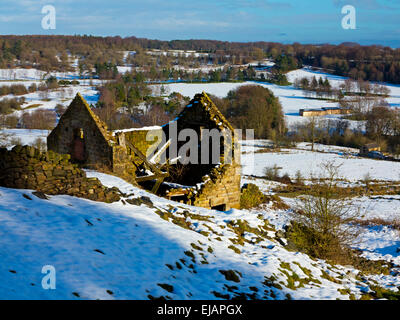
40, 100
146, 249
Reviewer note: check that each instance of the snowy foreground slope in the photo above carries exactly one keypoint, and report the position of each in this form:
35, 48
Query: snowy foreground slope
153, 249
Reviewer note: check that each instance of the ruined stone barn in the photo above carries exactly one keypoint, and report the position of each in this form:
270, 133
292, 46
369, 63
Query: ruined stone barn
86, 138
152, 156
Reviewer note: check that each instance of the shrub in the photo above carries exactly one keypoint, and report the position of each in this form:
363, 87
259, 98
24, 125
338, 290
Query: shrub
52, 82
299, 179
251, 196
32, 87
254, 107
60, 109
316, 243
10, 105
322, 222
285, 179
15, 141
39, 119
40, 144
14, 89
272, 173
64, 82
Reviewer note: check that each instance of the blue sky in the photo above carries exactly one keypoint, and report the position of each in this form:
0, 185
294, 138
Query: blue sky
307, 21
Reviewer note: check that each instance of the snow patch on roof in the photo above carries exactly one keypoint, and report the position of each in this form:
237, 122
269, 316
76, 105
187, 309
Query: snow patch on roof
150, 128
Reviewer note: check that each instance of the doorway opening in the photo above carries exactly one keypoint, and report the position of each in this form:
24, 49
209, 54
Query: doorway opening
221, 207
78, 153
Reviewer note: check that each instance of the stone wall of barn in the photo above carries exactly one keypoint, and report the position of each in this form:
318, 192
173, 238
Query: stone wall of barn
98, 150
221, 191
216, 186
145, 140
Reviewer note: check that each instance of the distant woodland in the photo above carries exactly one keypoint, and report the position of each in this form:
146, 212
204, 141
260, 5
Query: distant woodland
373, 63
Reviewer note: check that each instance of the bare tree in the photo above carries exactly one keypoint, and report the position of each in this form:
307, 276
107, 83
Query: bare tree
322, 224
311, 130
40, 144
39, 119
4, 139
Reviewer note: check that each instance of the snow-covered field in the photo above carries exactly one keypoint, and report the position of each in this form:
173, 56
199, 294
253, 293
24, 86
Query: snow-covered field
377, 242
292, 100
25, 136
35, 74
336, 81
309, 163
49, 100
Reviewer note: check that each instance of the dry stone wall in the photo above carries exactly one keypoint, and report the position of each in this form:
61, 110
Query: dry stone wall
25, 167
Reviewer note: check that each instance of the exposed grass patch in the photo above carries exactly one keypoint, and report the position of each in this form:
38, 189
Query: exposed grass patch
240, 227
381, 293
196, 247
394, 224
166, 287
326, 276
190, 255
236, 250
33, 106
294, 281
231, 275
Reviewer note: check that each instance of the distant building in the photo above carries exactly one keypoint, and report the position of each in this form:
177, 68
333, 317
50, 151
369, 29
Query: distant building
367, 148
323, 111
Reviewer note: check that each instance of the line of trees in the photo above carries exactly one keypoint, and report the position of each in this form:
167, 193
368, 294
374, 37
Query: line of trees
381, 125
41, 119
373, 63
20, 89
321, 87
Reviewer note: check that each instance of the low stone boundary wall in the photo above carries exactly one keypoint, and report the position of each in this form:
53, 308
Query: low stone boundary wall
25, 167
